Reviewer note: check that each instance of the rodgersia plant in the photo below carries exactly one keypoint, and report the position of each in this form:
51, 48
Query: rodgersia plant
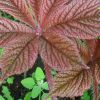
52, 29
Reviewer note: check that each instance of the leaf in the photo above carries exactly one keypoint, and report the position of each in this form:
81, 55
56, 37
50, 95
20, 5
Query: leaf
91, 51
28, 83
53, 73
33, 75
88, 49
17, 8
69, 18
92, 45
95, 52
39, 83
60, 52
41, 8
45, 96
36, 91
27, 96
48, 28
39, 74
20, 48
7, 93
86, 96
10, 80
5, 90
73, 18
1, 97
84, 50
45, 86
71, 83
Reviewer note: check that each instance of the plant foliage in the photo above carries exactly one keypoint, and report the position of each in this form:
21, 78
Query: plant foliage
37, 85
51, 29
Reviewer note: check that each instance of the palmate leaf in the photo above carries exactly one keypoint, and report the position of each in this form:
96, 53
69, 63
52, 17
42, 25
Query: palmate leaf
47, 28
80, 19
20, 48
60, 52
69, 17
71, 83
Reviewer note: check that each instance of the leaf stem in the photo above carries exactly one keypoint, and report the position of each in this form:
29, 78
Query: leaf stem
40, 96
49, 78
25, 74
95, 85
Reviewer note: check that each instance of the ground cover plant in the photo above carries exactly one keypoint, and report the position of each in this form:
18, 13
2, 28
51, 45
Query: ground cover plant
63, 33
36, 84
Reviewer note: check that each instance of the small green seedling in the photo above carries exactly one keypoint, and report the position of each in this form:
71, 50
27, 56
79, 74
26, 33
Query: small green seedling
37, 85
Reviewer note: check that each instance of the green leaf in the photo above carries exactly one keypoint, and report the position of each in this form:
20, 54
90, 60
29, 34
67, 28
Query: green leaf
28, 83
7, 93
1, 97
45, 96
10, 80
39, 83
5, 90
45, 86
85, 96
53, 72
33, 75
36, 91
39, 75
28, 96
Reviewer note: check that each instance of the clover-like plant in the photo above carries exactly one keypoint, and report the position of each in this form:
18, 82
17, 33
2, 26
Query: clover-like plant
49, 28
37, 85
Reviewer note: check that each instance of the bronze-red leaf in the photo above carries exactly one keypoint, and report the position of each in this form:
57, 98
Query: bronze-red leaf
79, 19
60, 52
71, 83
20, 48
